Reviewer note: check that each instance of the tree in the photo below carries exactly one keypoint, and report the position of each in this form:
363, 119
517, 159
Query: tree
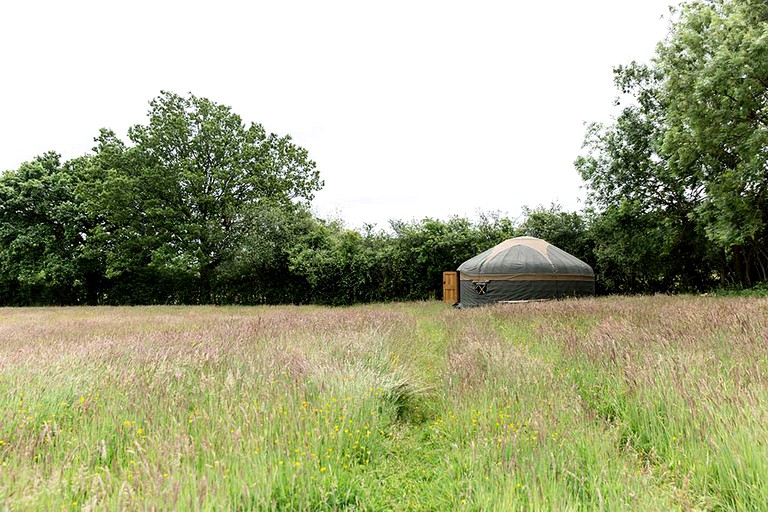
336, 263
645, 238
259, 271
715, 65
178, 203
688, 155
43, 235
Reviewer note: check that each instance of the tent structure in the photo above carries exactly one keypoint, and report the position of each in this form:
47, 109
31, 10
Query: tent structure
523, 268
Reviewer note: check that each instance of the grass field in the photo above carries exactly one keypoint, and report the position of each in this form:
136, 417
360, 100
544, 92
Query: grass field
647, 403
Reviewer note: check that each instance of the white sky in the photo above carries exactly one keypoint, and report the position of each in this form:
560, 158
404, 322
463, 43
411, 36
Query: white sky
411, 109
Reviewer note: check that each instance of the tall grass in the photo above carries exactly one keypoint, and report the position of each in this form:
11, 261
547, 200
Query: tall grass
613, 404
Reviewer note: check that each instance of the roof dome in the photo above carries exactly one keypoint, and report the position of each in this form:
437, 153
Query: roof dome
525, 255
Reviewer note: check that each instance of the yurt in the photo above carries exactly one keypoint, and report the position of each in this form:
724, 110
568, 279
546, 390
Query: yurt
523, 268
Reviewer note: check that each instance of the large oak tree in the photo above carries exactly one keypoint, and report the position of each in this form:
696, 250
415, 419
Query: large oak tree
188, 194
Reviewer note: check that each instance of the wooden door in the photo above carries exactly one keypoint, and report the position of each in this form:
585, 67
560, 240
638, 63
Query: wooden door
451, 287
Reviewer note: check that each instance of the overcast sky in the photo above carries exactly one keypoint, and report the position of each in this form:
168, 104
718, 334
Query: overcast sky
411, 109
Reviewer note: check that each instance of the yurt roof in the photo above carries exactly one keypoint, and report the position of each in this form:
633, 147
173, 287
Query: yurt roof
524, 255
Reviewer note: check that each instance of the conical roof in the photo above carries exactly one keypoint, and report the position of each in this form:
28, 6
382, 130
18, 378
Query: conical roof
523, 256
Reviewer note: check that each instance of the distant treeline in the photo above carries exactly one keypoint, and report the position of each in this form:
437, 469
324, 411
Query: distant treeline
81, 232
183, 218
133, 226
200, 208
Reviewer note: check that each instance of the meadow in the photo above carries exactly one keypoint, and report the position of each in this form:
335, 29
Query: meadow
616, 403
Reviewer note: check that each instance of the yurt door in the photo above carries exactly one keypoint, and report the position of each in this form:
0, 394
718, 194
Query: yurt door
451, 287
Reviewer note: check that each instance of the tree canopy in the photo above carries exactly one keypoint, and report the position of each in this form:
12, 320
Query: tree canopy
188, 190
687, 158
160, 219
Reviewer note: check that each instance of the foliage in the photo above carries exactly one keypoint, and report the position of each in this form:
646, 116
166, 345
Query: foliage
196, 197
343, 266
716, 66
258, 271
339, 265
423, 250
130, 243
192, 186
687, 156
43, 243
